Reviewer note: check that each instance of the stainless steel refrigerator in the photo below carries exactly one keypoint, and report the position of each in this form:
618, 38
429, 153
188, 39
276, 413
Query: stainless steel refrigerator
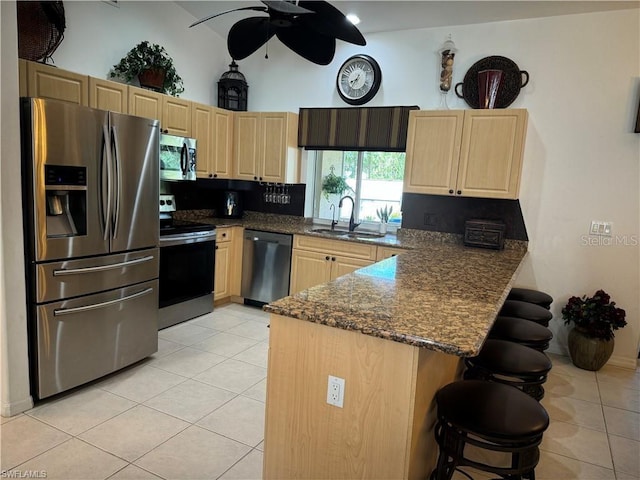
90, 202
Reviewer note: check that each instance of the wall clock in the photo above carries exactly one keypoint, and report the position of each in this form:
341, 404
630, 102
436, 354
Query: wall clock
358, 79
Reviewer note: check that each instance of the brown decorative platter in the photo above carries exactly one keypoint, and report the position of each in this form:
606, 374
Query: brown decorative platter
513, 79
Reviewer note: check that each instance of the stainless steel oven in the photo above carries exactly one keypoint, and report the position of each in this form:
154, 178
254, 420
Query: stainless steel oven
187, 263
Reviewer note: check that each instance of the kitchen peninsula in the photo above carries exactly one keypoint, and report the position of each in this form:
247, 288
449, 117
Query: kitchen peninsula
396, 331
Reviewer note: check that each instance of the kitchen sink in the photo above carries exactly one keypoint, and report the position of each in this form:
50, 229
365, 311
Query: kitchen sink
340, 233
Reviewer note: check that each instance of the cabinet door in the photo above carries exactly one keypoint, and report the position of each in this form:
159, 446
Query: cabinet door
223, 141
491, 156
202, 128
145, 103
246, 145
273, 146
107, 95
222, 273
309, 269
343, 265
433, 150
45, 81
176, 116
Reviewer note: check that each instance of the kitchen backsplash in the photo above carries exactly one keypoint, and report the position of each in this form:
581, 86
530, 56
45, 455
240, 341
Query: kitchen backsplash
438, 213
209, 194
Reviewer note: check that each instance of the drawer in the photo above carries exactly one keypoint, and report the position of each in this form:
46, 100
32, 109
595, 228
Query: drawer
335, 247
386, 252
224, 234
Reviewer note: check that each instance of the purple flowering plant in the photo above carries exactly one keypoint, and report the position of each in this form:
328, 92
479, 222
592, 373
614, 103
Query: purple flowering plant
596, 316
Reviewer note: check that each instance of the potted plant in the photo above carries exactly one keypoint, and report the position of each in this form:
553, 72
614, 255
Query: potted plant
153, 67
591, 341
333, 184
383, 216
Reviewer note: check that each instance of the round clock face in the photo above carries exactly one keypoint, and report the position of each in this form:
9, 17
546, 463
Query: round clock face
358, 79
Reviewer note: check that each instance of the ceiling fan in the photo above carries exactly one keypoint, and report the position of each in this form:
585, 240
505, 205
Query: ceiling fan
309, 28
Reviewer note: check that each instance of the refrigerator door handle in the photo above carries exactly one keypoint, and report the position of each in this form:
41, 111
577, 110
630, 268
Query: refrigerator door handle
106, 170
94, 306
117, 181
101, 268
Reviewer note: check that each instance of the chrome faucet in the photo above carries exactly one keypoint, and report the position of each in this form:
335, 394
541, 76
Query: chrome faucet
352, 223
334, 222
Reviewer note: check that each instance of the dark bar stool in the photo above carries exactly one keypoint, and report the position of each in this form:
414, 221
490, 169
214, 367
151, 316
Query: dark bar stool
506, 362
491, 416
521, 331
531, 296
526, 310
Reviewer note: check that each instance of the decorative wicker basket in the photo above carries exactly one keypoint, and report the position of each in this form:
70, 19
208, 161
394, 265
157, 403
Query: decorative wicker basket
40, 29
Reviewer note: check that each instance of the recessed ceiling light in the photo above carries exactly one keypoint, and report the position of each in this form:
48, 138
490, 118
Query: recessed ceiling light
353, 18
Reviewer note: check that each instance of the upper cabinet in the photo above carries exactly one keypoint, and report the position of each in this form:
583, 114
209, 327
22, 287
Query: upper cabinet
173, 113
108, 95
145, 103
212, 128
265, 146
45, 81
475, 153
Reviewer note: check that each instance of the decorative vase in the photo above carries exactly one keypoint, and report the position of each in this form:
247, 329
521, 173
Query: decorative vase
588, 353
383, 228
152, 78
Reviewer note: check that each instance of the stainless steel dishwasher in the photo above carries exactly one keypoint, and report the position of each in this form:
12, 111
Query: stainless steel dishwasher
266, 266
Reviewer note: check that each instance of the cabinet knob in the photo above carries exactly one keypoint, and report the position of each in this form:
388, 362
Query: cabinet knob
224, 234
451, 191
260, 178
216, 247
215, 175
327, 257
210, 175
255, 178
333, 259
459, 192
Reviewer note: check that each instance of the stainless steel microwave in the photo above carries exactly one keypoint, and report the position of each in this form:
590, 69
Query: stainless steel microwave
177, 158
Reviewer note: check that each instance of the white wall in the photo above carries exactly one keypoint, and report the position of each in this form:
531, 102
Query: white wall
581, 159
98, 35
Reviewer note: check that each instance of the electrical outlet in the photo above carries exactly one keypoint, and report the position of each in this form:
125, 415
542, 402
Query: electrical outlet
335, 391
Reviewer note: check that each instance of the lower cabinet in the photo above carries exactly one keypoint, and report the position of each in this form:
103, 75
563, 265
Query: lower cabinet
387, 252
315, 260
228, 263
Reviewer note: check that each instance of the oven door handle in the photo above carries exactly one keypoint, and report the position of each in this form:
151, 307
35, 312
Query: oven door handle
171, 240
101, 268
84, 308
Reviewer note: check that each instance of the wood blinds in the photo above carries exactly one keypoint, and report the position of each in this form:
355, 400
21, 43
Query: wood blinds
362, 128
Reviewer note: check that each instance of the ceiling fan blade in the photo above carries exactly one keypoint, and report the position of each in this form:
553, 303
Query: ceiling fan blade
202, 20
330, 21
248, 35
313, 46
282, 6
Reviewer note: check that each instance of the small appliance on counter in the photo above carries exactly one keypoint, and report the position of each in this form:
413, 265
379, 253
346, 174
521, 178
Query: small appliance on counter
484, 233
187, 264
231, 205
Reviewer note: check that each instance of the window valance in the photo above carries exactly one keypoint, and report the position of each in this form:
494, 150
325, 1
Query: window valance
360, 128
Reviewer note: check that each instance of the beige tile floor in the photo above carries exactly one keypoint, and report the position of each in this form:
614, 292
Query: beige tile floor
195, 410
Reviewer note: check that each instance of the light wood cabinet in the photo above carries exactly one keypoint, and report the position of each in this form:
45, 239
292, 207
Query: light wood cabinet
212, 128
387, 252
176, 116
108, 95
474, 153
228, 262
265, 146
45, 81
145, 103
316, 260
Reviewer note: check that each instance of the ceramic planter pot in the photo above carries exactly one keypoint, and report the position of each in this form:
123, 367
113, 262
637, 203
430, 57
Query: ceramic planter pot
588, 353
152, 78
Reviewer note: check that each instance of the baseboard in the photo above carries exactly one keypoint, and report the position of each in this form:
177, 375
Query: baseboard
623, 362
221, 301
14, 408
236, 299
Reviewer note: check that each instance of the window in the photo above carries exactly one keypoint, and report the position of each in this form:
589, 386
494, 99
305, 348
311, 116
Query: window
375, 180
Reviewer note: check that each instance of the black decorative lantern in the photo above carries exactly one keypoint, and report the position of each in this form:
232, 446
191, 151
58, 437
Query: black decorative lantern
232, 89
